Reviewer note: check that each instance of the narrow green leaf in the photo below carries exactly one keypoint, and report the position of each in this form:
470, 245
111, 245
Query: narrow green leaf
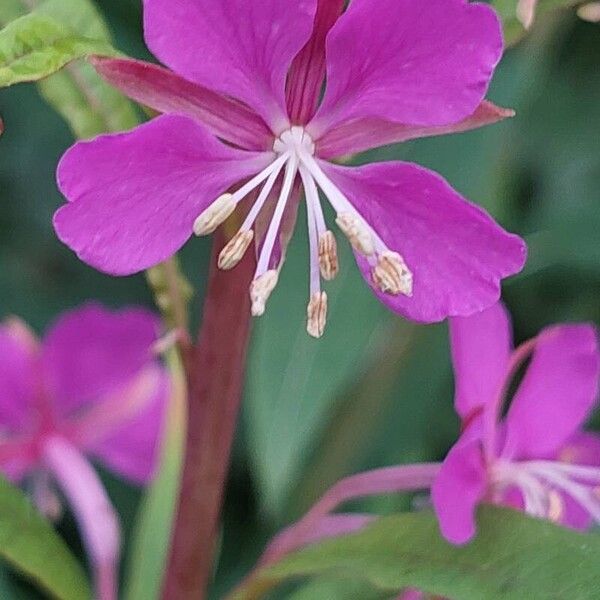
148, 555
398, 411
35, 46
30, 545
513, 557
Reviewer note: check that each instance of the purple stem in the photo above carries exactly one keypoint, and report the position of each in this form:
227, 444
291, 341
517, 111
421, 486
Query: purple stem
371, 483
317, 524
215, 372
97, 519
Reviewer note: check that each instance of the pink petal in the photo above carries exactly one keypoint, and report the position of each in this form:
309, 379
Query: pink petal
132, 448
409, 61
134, 196
557, 392
91, 352
19, 378
481, 345
581, 449
18, 456
459, 487
96, 517
456, 252
167, 92
364, 134
235, 47
307, 72
411, 594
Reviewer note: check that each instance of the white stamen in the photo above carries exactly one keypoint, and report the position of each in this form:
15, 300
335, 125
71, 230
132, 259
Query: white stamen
339, 202
556, 506
260, 290
542, 484
291, 169
276, 165
262, 198
354, 229
328, 258
526, 12
590, 12
294, 151
216, 214
312, 197
316, 313
235, 249
391, 275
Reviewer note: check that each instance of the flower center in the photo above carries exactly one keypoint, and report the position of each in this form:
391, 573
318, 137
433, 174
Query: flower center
294, 154
294, 140
544, 483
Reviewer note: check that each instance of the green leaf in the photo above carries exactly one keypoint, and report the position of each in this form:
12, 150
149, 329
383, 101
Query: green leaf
336, 589
35, 46
88, 104
513, 557
148, 555
293, 379
399, 411
30, 545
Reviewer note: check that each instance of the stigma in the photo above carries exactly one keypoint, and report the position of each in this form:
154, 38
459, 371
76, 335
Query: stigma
274, 191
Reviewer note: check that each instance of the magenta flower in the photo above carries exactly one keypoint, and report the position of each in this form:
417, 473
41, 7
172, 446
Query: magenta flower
243, 129
537, 458
92, 387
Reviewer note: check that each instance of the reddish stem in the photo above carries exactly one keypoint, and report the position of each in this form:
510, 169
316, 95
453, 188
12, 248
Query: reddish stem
215, 371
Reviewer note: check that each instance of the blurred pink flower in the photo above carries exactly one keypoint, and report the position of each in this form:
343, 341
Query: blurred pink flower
242, 113
536, 458
91, 387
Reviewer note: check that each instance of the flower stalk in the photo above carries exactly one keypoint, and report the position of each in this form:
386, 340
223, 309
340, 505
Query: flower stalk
215, 371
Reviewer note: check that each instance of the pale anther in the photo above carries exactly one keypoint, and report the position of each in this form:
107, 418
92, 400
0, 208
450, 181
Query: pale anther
235, 249
356, 232
556, 506
216, 214
316, 314
328, 258
392, 276
261, 289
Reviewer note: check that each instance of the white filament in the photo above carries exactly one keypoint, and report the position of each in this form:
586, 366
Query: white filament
539, 480
295, 152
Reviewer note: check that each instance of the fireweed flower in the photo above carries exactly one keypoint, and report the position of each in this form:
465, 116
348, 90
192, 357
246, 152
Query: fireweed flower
537, 458
243, 131
91, 387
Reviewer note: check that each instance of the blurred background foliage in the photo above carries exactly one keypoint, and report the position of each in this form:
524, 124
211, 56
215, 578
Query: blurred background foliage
375, 390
